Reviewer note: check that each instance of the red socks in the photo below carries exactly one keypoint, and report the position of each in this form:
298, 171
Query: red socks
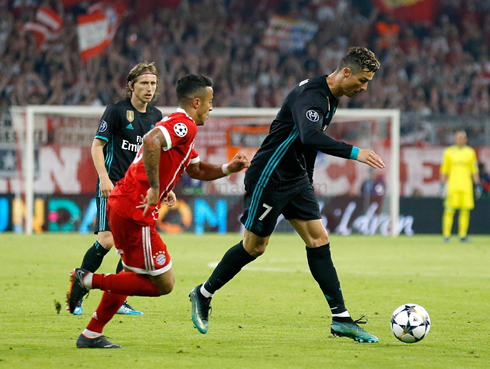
117, 287
108, 306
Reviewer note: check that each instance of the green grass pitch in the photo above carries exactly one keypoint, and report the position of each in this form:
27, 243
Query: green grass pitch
272, 315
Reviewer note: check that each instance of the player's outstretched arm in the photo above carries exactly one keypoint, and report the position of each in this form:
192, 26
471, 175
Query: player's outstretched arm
209, 172
370, 158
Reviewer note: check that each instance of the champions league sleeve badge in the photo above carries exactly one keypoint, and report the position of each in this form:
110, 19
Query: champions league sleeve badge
180, 129
103, 126
313, 116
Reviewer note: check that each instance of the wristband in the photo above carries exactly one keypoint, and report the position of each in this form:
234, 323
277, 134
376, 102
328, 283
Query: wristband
354, 153
225, 170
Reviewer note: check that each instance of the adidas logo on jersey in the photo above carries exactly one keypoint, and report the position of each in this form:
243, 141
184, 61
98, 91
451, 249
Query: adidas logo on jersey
129, 126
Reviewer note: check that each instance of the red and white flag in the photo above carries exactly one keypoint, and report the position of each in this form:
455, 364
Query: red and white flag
39, 32
93, 34
46, 26
97, 29
50, 19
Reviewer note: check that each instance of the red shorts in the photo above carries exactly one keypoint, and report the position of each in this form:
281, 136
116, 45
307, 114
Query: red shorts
141, 247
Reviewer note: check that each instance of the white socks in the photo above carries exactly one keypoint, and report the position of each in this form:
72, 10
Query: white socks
345, 314
87, 281
205, 293
91, 334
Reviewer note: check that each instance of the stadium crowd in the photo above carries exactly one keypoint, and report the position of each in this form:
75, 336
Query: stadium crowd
442, 67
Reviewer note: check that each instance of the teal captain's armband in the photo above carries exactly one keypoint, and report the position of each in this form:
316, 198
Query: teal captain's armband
354, 153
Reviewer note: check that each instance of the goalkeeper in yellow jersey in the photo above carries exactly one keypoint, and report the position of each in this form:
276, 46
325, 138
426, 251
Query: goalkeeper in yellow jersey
459, 171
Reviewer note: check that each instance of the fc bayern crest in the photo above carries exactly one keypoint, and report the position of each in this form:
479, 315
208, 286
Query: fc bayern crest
312, 115
160, 258
180, 129
103, 126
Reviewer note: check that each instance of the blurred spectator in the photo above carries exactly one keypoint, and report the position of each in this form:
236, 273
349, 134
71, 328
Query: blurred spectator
387, 31
443, 68
374, 186
484, 179
416, 192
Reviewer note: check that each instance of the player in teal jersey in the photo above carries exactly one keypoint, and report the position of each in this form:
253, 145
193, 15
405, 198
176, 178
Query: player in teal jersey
279, 181
118, 139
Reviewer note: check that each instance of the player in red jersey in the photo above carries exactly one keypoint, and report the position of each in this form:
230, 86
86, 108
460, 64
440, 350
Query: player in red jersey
167, 151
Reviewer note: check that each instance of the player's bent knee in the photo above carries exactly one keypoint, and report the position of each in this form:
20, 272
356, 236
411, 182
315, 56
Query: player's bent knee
164, 283
106, 240
255, 245
256, 249
317, 242
256, 252
107, 246
165, 289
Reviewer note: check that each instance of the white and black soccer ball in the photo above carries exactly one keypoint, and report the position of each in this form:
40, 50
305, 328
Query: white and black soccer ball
410, 323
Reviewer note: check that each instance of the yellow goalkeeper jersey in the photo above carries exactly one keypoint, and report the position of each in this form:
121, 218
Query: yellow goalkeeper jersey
458, 164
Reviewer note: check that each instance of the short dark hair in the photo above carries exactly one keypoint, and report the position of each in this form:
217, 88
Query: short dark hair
191, 85
359, 59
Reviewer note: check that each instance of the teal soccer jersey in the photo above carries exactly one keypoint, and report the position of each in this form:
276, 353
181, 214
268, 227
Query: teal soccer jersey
280, 177
287, 156
122, 127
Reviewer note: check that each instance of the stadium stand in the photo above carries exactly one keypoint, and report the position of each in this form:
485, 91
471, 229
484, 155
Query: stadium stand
439, 68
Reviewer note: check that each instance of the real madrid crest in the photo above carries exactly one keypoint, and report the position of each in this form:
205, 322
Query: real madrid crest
129, 115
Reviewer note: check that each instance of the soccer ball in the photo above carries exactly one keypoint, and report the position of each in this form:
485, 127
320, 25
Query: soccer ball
410, 323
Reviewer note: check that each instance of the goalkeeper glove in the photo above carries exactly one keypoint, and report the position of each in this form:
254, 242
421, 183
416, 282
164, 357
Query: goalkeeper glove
442, 190
478, 190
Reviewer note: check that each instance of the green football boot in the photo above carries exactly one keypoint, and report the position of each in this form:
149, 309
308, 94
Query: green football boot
352, 330
200, 310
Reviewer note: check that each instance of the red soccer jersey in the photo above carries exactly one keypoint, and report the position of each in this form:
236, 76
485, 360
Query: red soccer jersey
179, 131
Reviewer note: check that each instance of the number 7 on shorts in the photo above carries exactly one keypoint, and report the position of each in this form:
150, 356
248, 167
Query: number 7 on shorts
268, 208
